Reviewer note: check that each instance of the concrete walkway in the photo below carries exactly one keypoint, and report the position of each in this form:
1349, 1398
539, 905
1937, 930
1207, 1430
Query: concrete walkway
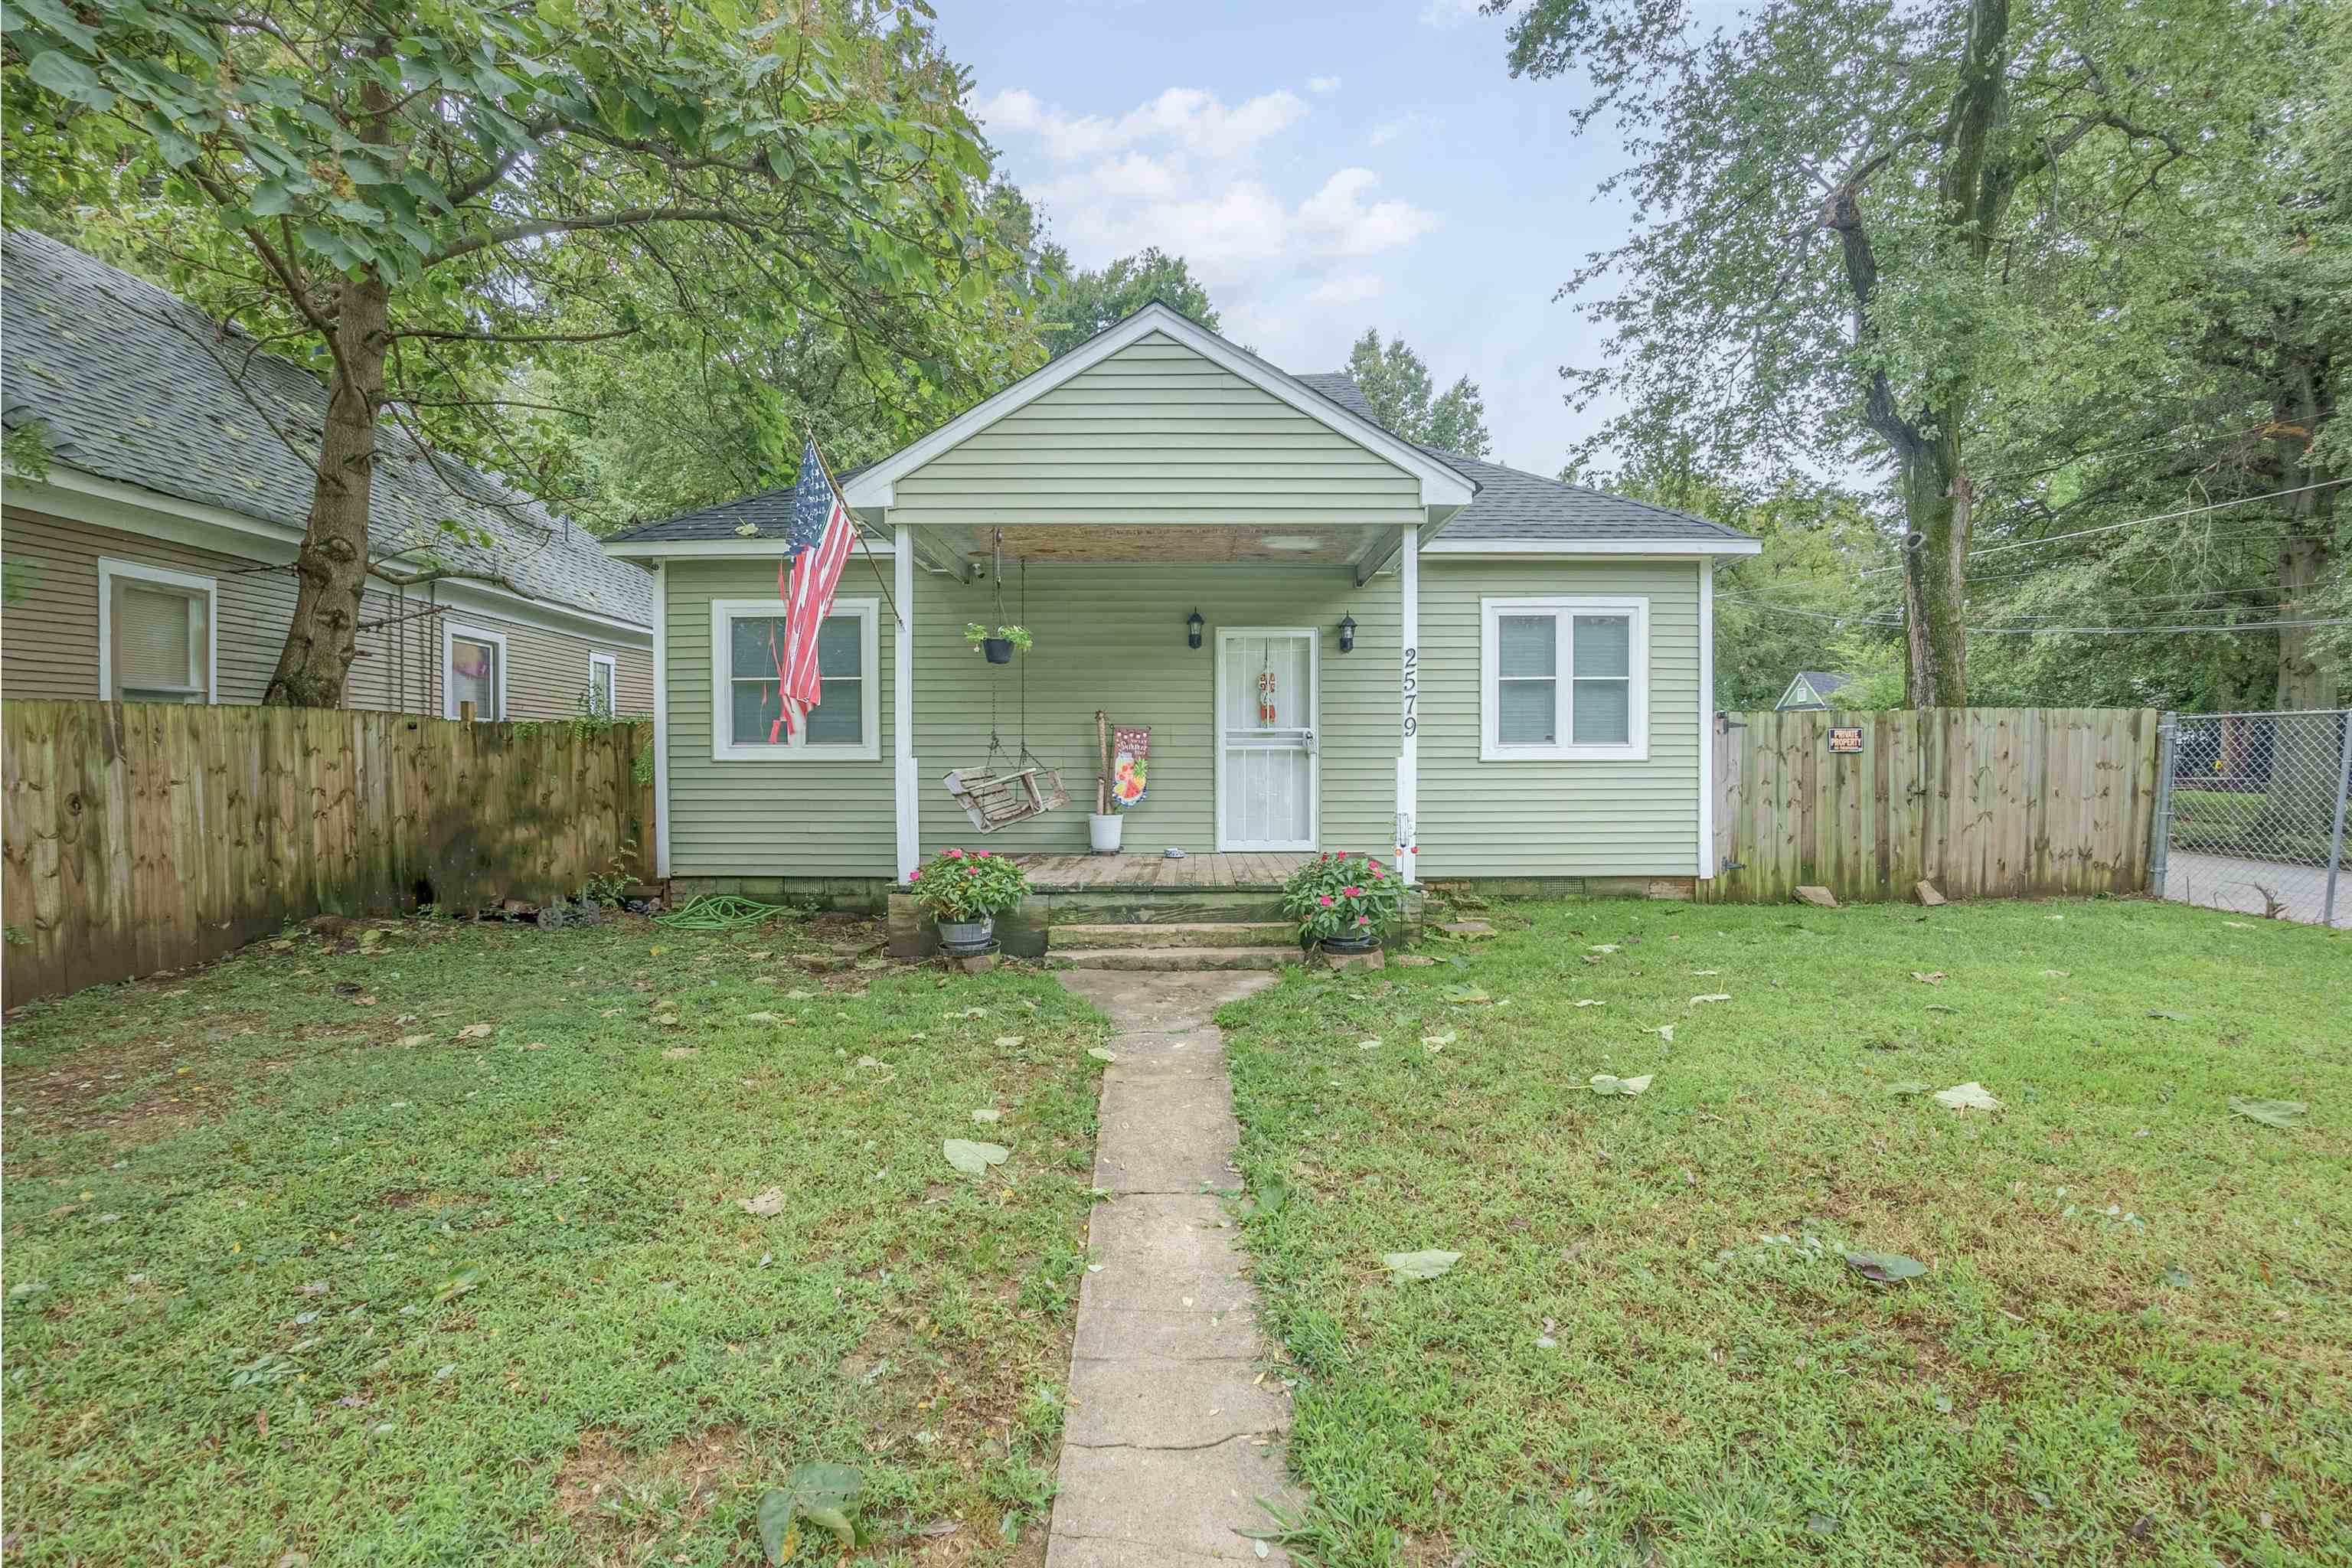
1171, 1438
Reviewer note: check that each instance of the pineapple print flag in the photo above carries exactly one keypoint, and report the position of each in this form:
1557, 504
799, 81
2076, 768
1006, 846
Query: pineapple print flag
1131, 753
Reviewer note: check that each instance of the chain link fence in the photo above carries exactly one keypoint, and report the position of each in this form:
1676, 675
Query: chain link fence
2251, 812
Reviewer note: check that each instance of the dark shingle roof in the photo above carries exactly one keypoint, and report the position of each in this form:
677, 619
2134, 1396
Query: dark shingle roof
771, 510
131, 383
1820, 681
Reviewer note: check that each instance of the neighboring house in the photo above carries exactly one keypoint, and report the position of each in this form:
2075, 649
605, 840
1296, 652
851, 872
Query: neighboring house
150, 561
1810, 692
1509, 675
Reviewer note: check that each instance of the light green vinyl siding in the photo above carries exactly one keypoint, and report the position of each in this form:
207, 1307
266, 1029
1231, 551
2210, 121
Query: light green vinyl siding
1555, 819
782, 818
1112, 638
1157, 434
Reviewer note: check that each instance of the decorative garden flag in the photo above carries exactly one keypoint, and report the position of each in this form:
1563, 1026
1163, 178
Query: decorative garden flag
1131, 752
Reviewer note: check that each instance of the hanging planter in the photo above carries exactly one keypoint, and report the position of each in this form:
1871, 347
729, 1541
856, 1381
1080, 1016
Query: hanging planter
1001, 645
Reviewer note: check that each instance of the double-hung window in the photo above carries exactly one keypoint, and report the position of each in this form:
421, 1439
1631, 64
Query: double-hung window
1564, 680
747, 641
472, 673
156, 634
601, 671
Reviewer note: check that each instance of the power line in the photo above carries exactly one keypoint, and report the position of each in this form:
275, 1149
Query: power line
2131, 523
1879, 620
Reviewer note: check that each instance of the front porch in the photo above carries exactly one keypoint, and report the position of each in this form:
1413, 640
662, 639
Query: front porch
1229, 872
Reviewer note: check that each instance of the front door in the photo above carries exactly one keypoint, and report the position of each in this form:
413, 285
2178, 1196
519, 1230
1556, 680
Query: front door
1266, 695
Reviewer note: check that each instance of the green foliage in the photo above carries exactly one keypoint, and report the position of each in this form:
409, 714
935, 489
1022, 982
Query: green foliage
1395, 381
1086, 303
1341, 895
968, 884
1019, 636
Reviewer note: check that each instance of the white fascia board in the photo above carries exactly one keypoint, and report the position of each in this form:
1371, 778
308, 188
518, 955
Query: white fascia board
489, 599
1440, 485
1649, 549
762, 549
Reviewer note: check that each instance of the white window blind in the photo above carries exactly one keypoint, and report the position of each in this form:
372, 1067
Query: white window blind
161, 643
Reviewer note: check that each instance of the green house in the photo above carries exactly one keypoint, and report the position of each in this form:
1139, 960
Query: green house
1486, 674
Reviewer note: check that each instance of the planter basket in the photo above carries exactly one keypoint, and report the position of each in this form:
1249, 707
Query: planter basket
968, 939
999, 650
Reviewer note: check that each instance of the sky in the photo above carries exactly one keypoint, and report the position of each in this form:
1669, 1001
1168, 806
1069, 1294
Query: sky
1324, 169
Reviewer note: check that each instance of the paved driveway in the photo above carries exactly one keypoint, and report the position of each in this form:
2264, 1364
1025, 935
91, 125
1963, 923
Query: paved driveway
2225, 882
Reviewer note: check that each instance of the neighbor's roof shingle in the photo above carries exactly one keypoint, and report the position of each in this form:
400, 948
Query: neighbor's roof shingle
131, 383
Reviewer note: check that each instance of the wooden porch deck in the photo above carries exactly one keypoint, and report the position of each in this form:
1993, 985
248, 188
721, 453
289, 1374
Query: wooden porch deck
1236, 872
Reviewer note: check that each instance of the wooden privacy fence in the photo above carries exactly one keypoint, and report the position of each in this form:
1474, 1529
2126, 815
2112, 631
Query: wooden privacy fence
144, 836
1984, 802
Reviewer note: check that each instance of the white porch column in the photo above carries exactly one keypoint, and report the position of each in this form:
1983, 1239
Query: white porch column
661, 720
1408, 792
1707, 866
902, 703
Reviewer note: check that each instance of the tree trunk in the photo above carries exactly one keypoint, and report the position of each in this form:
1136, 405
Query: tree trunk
1937, 507
330, 570
2299, 803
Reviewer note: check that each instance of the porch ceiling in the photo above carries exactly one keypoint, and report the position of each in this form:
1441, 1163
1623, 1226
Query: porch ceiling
1276, 543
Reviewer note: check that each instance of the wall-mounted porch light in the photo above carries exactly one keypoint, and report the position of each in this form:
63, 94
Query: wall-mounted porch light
1192, 624
1347, 634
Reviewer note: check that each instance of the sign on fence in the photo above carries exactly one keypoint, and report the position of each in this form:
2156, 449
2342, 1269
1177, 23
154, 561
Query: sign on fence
1981, 801
148, 835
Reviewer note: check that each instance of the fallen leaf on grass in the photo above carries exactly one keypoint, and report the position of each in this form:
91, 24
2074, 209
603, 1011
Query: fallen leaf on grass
1608, 1083
675, 1053
1604, 947
2160, 1012
760, 1018
415, 1040
771, 1201
1703, 974
2242, 925
974, 1158
1370, 1043
1969, 1095
474, 1032
1933, 977
2179, 1279
1008, 1042
2287, 1113
1885, 1267
460, 1281
1711, 997
1421, 1265
2057, 975
1590, 1002
1907, 1086
1665, 1031
797, 995
823, 1494
1438, 1042
987, 1113
1469, 995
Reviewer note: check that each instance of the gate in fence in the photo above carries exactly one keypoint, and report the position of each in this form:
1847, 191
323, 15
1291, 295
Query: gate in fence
2251, 812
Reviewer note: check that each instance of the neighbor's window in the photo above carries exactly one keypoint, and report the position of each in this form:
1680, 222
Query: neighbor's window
747, 639
473, 669
601, 666
1564, 680
156, 634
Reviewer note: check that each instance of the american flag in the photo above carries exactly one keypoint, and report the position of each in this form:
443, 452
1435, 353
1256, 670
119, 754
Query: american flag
821, 539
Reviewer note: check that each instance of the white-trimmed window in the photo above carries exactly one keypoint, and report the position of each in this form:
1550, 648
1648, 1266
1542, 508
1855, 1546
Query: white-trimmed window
603, 683
157, 633
746, 638
1564, 680
473, 669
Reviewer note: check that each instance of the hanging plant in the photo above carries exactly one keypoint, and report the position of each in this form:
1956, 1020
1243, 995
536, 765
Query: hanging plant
1001, 645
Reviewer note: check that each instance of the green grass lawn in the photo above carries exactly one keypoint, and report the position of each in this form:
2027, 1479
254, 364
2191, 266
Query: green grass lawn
2132, 1342
243, 1205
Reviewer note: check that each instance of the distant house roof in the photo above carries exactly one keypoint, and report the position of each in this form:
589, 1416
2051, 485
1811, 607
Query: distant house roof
1818, 683
1510, 506
133, 384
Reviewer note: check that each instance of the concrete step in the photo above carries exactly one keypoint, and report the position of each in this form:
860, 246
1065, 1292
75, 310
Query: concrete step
1171, 933
1146, 906
1164, 958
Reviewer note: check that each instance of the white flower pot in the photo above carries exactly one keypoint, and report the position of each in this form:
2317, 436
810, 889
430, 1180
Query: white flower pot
1103, 830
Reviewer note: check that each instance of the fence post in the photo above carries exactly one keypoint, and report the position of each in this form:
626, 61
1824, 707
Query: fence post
2335, 834
2159, 849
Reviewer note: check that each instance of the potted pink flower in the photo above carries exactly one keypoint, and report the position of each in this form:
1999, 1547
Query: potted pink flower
965, 891
1342, 902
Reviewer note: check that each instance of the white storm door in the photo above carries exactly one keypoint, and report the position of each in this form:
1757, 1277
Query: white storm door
1267, 689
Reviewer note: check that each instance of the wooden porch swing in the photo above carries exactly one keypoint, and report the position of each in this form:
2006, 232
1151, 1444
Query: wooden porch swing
999, 794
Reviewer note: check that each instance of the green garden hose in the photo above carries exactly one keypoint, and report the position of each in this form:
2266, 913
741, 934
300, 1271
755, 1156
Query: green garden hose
719, 912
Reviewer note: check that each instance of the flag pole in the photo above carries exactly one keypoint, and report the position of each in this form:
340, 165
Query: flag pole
856, 527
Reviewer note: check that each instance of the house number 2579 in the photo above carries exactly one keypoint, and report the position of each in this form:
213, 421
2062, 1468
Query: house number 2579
1412, 690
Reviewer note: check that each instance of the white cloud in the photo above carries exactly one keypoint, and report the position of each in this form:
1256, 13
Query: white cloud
1345, 290
1347, 225
1197, 121
1322, 86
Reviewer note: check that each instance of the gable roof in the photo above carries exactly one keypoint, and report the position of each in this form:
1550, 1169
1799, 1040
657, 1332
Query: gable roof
1441, 484
133, 384
1509, 508
1821, 682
